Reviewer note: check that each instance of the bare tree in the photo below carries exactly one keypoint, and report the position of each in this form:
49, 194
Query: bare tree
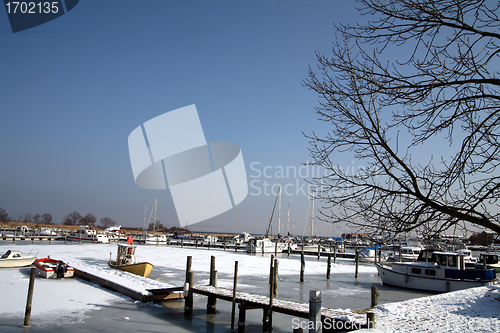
47, 218
427, 67
88, 219
107, 222
4, 217
37, 218
28, 217
73, 218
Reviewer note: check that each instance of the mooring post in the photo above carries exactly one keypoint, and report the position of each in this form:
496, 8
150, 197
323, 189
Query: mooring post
262, 247
328, 266
289, 250
370, 320
302, 265
235, 282
314, 311
188, 289
211, 303
196, 242
319, 251
271, 269
224, 244
27, 313
241, 317
276, 248
375, 294
268, 322
335, 253
356, 258
275, 271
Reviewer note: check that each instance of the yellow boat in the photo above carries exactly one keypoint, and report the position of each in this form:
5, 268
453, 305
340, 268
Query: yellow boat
126, 261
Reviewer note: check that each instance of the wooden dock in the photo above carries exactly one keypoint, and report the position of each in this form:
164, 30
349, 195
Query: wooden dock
160, 294
357, 318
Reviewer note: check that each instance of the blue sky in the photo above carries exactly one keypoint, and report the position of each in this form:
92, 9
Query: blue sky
74, 88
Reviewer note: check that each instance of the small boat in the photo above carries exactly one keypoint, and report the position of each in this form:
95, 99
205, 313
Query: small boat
49, 268
441, 272
126, 261
490, 260
370, 253
13, 258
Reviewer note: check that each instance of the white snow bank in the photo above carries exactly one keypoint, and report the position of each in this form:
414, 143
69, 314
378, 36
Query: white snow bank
469, 310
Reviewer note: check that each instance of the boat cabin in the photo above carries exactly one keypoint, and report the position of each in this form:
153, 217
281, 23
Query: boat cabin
12, 254
125, 254
489, 259
442, 265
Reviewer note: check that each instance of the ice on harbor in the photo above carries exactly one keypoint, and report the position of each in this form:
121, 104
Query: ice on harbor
58, 302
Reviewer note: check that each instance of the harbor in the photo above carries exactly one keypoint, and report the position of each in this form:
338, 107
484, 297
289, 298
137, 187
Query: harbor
341, 292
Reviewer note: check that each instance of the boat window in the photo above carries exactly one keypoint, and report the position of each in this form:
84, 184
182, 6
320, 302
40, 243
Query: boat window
430, 272
442, 260
16, 255
452, 261
415, 270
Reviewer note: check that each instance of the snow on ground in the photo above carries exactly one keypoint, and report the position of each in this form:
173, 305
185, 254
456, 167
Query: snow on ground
57, 302
469, 310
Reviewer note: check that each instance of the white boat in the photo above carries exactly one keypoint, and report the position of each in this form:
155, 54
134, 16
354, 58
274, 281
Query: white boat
264, 246
87, 234
442, 272
49, 268
407, 254
114, 233
367, 254
155, 239
13, 258
242, 238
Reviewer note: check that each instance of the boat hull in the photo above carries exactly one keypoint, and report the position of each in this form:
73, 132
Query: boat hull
141, 268
403, 280
16, 262
47, 269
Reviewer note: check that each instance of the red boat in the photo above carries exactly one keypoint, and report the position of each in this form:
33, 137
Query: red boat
53, 269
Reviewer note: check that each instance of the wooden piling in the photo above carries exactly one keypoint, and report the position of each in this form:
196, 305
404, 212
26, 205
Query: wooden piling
328, 266
356, 258
275, 285
235, 282
319, 251
212, 300
31, 286
315, 311
370, 320
374, 296
302, 265
241, 317
335, 253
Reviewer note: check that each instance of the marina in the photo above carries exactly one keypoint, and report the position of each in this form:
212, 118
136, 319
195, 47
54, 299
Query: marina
342, 291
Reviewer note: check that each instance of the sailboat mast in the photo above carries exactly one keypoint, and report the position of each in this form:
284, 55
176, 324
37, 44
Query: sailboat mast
279, 213
312, 215
154, 221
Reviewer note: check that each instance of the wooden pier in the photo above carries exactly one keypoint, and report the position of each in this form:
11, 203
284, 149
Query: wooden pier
160, 294
357, 318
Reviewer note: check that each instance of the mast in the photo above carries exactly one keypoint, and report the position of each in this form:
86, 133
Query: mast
312, 215
154, 221
279, 213
288, 221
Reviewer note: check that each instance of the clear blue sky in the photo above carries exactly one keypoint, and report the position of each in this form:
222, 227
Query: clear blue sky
73, 89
